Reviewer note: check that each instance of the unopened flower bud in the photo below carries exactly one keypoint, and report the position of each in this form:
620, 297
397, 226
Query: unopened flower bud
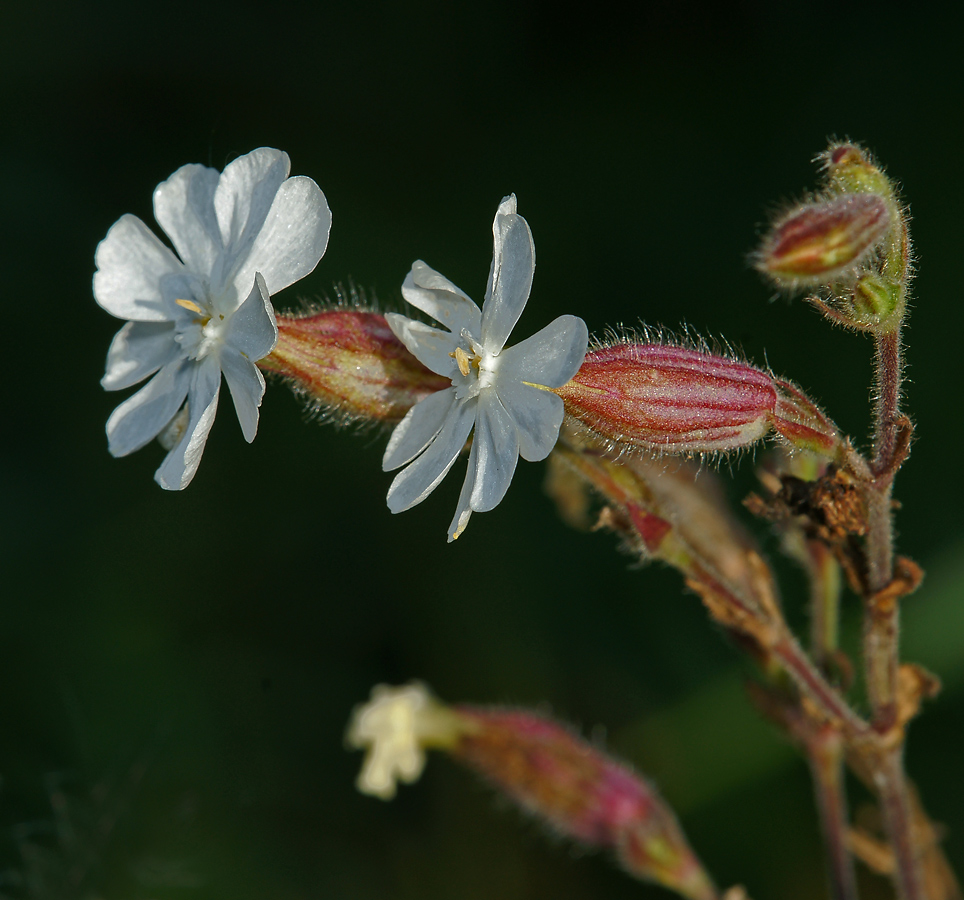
851, 169
825, 241
348, 361
664, 397
583, 793
678, 400
874, 303
877, 300
545, 768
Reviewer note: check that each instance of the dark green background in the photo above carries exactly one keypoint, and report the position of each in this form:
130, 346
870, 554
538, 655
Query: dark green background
176, 670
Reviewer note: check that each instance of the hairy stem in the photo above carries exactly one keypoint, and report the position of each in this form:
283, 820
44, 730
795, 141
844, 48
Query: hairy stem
881, 622
812, 684
895, 806
883, 468
826, 755
825, 746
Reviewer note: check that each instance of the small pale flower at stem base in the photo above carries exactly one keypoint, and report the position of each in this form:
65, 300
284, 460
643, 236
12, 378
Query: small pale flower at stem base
394, 728
550, 772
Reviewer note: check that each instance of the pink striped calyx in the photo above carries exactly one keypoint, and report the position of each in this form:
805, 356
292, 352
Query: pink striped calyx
823, 241
348, 363
683, 400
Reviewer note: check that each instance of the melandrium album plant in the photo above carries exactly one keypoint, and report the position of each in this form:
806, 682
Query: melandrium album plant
629, 426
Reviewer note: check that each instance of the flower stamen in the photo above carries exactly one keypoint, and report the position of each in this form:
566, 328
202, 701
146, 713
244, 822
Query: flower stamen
189, 305
461, 360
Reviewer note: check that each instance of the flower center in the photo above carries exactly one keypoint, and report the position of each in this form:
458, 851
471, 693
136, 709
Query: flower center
463, 361
476, 367
201, 335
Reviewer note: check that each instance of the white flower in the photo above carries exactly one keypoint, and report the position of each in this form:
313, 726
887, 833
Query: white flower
502, 391
386, 726
242, 235
395, 727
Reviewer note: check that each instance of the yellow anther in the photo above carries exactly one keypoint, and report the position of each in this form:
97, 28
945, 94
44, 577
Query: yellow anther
461, 359
191, 305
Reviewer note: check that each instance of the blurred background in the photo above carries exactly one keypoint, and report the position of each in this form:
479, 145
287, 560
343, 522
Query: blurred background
177, 670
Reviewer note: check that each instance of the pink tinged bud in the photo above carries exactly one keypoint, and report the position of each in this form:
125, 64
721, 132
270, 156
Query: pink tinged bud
663, 397
802, 423
349, 362
821, 242
851, 169
582, 793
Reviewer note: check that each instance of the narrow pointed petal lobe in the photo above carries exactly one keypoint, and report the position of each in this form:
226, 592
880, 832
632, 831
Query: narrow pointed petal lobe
180, 465
463, 509
419, 478
139, 419
139, 349
431, 347
417, 430
498, 453
246, 382
551, 357
435, 295
252, 329
513, 265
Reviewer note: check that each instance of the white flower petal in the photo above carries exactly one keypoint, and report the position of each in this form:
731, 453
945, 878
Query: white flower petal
510, 280
252, 329
246, 382
417, 430
179, 466
493, 458
463, 509
435, 295
551, 357
537, 415
292, 238
242, 201
245, 192
420, 477
184, 208
431, 347
497, 440
139, 349
132, 268
140, 418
